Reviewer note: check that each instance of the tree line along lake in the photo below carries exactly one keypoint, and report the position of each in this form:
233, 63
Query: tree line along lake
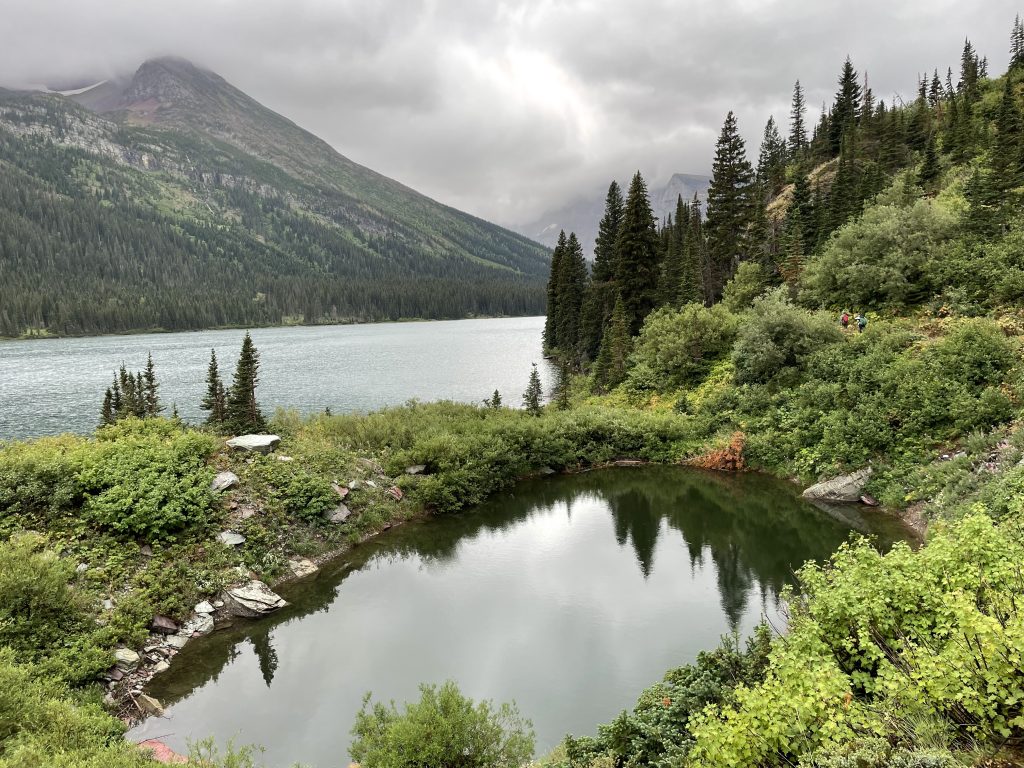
50, 386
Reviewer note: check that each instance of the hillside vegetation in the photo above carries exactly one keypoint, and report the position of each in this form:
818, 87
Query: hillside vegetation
209, 210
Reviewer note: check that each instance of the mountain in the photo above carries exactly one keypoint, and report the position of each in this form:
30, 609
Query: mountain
583, 215
170, 199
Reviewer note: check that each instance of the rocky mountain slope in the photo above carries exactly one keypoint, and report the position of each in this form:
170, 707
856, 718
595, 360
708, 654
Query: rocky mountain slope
171, 199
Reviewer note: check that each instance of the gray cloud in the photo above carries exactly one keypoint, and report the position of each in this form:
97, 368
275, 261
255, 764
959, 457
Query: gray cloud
507, 109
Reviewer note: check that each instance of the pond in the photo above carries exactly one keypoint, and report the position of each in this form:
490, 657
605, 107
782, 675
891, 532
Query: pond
568, 595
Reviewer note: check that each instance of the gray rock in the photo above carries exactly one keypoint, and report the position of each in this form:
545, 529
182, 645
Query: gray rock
204, 607
547, 471
252, 600
416, 469
108, 604
371, 484
160, 666
254, 443
230, 538
340, 514
302, 567
81, 568
223, 481
200, 624
353, 485
218, 603
126, 658
869, 500
164, 625
146, 551
114, 674
842, 488
177, 641
149, 705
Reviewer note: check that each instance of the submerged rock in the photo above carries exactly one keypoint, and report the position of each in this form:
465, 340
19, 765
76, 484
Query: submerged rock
302, 567
252, 600
254, 443
842, 488
149, 705
223, 481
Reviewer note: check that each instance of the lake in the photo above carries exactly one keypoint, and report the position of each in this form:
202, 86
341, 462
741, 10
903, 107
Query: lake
568, 595
49, 386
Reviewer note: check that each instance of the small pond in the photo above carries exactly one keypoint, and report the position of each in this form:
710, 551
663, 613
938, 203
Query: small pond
568, 595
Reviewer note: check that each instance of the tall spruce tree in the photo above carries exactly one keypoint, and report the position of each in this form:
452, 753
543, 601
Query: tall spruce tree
692, 284
151, 396
637, 256
551, 320
533, 393
1007, 154
797, 127
730, 199
242, 413
600, 294
608, 234
771, 160
570, 287
616, 343
1017, 43
214, 400
107, 410
846, 109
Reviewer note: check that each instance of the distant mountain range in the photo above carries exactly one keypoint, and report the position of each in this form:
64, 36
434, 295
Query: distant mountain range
583, 215
171, 199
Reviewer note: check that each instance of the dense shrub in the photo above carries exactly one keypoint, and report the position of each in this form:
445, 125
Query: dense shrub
749, 282
776, 339
677, 348
891, 257
300, 492
442, 728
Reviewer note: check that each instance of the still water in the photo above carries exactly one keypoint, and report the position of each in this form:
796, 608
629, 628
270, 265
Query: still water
49, 386
568, 595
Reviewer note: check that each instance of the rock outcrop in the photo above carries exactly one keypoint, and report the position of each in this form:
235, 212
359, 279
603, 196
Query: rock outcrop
254, 443
252, 600
842, 488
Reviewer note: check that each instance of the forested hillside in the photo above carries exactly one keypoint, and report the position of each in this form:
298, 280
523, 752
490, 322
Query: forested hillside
189, 205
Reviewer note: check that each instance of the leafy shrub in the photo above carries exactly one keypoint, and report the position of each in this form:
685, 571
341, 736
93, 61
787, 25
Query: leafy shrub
148, 478
749, 282
442, 728
890, 257
678, 347
301, 493
776, 339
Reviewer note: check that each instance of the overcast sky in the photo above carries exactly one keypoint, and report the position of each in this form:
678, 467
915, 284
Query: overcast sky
507, 109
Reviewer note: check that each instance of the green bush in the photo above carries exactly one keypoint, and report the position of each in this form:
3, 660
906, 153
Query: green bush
301, 493
776, 339
891, 257
749, 282
442, 728
676, 348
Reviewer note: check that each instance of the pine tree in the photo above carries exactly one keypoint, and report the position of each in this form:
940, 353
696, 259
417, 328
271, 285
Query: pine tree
116, 400
846, 109
570, 287
771, 160
214, 399
533, 393
692, 289
610, 368
930, 169
607, 234
242, 413
797, 128
140, 396
729, 206
562, 400
1017, 43
107, 411
495, 402
969, 73
637, 262
152, 399
551, 321
1007, 155
672, 267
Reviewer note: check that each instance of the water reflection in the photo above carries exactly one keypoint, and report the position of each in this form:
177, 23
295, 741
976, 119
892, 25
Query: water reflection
568, 595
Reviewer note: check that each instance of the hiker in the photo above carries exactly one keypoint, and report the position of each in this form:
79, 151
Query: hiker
844, 319
862, 323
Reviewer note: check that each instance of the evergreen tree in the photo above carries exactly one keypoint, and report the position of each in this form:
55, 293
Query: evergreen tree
729, 206
242, 413
797, 128
152, 399
692, 289
562, 399
969, 73
107, 411
1007, 154
637, 262
214, 400
570, 287
532, 395
610, 367
771, 160
1017, 43
495, 402
846, 110
930, 169
672, 267
607, 234
116, 400
551, 321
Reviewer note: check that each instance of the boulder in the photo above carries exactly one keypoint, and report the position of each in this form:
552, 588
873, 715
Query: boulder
842, 488
252, 600
177, 641
254, 443
230, 538
160, 666
416, 469
341, 490
164, 625
395, 493
200, 624
302, 567
223, 481
204, 607
126, 658
149, 705
340, 514
146, 550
